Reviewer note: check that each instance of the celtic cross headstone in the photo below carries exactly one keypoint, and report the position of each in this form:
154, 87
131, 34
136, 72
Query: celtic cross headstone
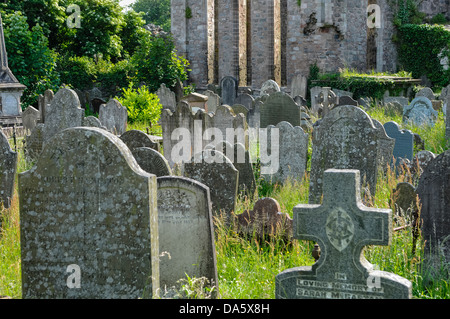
342, 226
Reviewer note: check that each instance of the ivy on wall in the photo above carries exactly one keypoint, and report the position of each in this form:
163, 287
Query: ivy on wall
421, 49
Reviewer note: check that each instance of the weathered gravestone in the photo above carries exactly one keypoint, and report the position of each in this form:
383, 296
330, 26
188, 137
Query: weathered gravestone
447, 119
292, 147
213, 100
240, 157
166, 97
246, 100
404, 141
426, 92
152, 161
404, 198
186, 233
135, 139
114, 117
30, 118
434, 195
347, 138
445, 98
92, 121
216, 171
265, 219
342, 226
8, 168
44, 101
63, 112
347, 100
299, 85
88, 220
279, 107
229, 88
420, 112
33, 143
269, 87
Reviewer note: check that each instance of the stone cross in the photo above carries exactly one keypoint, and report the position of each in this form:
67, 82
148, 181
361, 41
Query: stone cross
342, 226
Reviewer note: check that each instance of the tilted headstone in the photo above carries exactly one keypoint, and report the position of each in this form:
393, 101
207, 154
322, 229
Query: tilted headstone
347, 138
135, 139
152, 161
404, 140
63, 112
229, 86
265, 219
342, 226
279, 107
166, 97
434, 195
186, 232
269, 87
216, 171
114, 117
420, 112
88, 221
8, 168
213, 100
299, 85
30, 118
292, 146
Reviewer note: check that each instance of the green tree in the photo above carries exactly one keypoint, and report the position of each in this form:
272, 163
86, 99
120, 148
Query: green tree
156, 62
155, 12
101, 23
132, 31
29, 57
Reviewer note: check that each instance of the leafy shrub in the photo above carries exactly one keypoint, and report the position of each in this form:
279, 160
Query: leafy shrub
142, 105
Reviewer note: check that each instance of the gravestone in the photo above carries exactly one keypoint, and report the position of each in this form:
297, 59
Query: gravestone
269, 87
226, 119
393, 109
315, 105
246, 100
46, 100
34, 142
30, 118
265, 219
135, 139
347, 100
434, 194
299, 85
341, 93
240, 157
166, 97
403, 101
347, 138
404, 201
229, 87
196, 101
420, 112
292, 146
151, 161
279, 107
186, 231
88, 221
426, 92
114, 117
444, 97
216, 171
213, 100
404, 140
8, 168
63, 112
342, 226
92, 121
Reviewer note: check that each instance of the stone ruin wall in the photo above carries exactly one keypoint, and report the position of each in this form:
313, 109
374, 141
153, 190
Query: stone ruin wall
257, 40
